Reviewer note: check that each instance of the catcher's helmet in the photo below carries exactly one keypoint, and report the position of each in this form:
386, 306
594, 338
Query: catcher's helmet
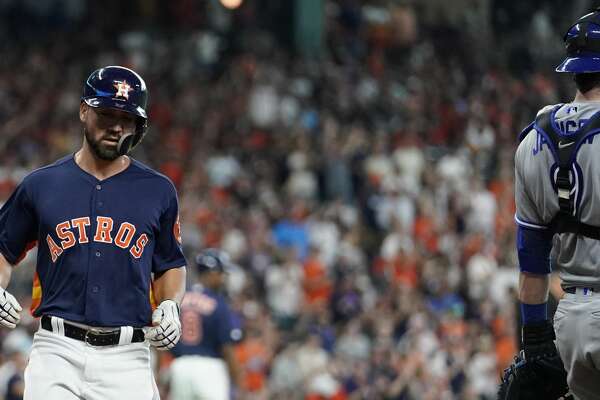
582, 42
212, 260
122, 89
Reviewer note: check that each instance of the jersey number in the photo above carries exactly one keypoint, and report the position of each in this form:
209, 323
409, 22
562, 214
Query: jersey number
191, 322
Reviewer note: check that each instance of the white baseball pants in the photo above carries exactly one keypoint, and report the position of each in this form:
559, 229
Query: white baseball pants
61, 368
577, 326
199, 378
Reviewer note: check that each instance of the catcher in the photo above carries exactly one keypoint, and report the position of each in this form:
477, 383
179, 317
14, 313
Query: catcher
557, 175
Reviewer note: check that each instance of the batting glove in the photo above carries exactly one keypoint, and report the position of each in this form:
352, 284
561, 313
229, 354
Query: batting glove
9, 309
166, 329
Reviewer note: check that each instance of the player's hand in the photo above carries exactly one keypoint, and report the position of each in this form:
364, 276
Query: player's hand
166, 326
9, 309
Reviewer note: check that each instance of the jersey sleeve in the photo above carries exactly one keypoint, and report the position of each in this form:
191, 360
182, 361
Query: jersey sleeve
527, 213
18, 225
168, 252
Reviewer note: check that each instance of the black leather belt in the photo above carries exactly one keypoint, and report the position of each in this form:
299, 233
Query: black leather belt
92, 336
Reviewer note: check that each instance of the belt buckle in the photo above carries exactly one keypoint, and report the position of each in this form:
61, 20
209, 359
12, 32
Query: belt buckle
87, 339
92, 336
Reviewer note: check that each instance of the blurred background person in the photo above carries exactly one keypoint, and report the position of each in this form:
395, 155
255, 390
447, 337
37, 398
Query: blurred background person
205, 366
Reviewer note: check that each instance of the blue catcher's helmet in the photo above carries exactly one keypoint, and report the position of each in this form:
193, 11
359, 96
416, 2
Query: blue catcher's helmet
582, 42
212, 260
122, 89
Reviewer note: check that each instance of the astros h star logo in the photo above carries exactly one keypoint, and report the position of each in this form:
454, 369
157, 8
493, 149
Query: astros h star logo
123, 89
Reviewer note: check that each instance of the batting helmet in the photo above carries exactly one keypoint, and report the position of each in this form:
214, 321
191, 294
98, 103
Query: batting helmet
122, 89
212, 260
582, 42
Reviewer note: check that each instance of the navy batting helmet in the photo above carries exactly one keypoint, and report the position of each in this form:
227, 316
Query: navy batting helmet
122, 89
212, 260
582, 42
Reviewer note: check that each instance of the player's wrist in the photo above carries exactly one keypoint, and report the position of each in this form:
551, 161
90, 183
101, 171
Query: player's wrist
538, 339
169, 303
538, 332
534, 313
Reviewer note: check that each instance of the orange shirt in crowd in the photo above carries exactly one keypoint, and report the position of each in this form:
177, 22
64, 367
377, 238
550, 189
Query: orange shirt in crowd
317, 287
505, 342
253, 356
425, 234
405, 270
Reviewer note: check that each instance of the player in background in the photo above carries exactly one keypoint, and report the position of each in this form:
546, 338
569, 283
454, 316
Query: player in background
205, 362
106, 228
557, 172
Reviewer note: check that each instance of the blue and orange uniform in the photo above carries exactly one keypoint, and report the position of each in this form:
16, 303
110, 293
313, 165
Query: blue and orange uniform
98, 241
107, 232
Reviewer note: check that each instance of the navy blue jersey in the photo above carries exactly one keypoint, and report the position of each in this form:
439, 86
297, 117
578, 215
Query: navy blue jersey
207, 324
98, 241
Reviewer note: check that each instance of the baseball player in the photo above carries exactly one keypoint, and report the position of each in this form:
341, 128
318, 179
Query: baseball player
205, 358
557, 176
107, 232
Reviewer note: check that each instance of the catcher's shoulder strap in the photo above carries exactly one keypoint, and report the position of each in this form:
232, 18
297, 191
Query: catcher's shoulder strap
564, 149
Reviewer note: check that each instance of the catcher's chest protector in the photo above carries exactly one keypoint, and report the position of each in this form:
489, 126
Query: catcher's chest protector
564, 148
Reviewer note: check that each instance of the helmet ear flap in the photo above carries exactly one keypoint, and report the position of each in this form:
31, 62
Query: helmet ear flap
125, 143
140, 131
129, 140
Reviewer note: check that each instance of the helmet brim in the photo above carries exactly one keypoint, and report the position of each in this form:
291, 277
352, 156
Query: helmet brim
107, 102
580, 65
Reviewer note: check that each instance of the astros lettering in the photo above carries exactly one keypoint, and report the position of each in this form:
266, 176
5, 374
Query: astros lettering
74, 231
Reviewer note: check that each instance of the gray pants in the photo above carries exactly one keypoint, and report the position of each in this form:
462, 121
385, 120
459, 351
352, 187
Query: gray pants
577, 326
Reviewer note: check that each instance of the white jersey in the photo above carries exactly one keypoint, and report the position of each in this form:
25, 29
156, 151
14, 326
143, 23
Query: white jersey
577, 257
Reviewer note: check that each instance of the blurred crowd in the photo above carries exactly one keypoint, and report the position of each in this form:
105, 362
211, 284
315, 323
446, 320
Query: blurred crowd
364, 191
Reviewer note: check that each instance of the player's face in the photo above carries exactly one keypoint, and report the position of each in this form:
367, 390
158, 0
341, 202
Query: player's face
217, 280
103, 127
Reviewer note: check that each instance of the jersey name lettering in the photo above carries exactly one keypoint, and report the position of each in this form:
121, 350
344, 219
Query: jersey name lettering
74, 231
539, 143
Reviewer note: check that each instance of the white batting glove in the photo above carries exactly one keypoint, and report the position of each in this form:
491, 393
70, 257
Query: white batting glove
9, 309
166, 329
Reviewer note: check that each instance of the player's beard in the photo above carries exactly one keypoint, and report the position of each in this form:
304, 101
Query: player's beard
103, 152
